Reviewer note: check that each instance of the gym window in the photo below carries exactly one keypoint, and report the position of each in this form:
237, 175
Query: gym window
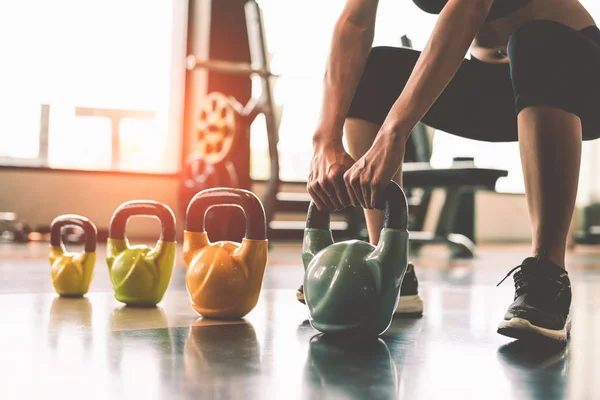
90, 85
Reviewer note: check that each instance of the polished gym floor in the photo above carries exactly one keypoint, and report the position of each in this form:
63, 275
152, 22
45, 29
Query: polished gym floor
94, 348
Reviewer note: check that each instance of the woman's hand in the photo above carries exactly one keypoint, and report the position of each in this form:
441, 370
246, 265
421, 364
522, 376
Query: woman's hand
367, 180
326, 180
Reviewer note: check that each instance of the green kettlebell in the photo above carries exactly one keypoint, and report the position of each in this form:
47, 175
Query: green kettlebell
353, 287
140, 274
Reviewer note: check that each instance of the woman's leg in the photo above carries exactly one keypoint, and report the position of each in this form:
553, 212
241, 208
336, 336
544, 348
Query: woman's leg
550, 145
556, 80
360, 135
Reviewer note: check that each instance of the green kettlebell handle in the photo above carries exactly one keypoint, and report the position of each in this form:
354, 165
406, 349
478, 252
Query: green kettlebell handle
256, 225
395, 211
89, 229
142, 208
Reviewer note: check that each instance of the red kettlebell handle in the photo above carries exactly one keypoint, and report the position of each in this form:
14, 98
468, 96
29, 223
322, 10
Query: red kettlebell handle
395, 211
256, 226
89, 230
142, 208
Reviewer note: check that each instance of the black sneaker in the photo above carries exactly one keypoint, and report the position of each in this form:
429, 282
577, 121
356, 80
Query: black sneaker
410, 302
541, 304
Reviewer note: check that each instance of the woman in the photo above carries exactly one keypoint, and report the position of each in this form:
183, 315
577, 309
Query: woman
533, 76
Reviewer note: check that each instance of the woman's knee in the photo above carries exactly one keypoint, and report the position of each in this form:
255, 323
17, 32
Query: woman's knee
540, 38
545, 59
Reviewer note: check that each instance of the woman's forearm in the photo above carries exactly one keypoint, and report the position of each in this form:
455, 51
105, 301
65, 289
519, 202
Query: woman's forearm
351, 43
449, 42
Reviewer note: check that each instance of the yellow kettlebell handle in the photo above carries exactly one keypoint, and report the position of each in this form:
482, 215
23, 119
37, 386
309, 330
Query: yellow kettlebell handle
63, 221
72, 273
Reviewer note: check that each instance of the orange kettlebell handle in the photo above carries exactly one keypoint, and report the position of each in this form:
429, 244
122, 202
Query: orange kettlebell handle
256, 227
89, 229
132, 208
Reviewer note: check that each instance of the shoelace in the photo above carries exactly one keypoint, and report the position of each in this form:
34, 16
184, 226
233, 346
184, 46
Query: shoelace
509, 274
520, 279
543, 254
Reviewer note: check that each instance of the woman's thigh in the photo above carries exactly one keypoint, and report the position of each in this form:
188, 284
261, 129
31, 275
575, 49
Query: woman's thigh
478, 102
557, 66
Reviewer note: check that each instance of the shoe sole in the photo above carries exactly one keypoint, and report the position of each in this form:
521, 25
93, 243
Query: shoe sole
522, 329
407, 305
410, 305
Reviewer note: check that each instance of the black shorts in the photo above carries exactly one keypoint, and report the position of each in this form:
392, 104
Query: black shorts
550, 64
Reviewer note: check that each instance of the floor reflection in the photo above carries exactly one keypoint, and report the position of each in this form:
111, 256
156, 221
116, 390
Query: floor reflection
344, 368
536, 371
69, 313
221, 361
140, 359
96, 347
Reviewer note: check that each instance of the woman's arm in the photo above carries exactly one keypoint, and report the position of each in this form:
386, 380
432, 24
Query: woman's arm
350, 47
450, 40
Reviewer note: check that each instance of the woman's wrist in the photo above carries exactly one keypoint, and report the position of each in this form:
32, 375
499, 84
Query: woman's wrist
327, 139
394, 133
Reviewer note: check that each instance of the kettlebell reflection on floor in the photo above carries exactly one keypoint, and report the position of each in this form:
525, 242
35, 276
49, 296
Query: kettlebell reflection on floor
225, 357
140, 332
349, 368
66, 313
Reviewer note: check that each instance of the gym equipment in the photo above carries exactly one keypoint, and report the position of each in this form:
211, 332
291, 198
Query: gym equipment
13, 230
139, 274
217, 125
224, 123
591, 225
224, 279
221, 223
72, 273
353, 286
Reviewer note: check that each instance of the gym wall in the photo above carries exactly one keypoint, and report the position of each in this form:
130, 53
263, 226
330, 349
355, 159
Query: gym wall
39, 196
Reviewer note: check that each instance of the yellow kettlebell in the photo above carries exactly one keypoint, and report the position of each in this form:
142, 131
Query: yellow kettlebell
72, 273
224, 279
141, 274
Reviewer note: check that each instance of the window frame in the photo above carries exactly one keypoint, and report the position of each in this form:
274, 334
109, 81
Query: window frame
179, 23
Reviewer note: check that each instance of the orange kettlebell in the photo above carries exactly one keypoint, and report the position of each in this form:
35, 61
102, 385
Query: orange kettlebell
72, 273
224, 279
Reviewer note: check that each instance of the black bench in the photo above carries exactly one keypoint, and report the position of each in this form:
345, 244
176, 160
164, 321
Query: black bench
462, 177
